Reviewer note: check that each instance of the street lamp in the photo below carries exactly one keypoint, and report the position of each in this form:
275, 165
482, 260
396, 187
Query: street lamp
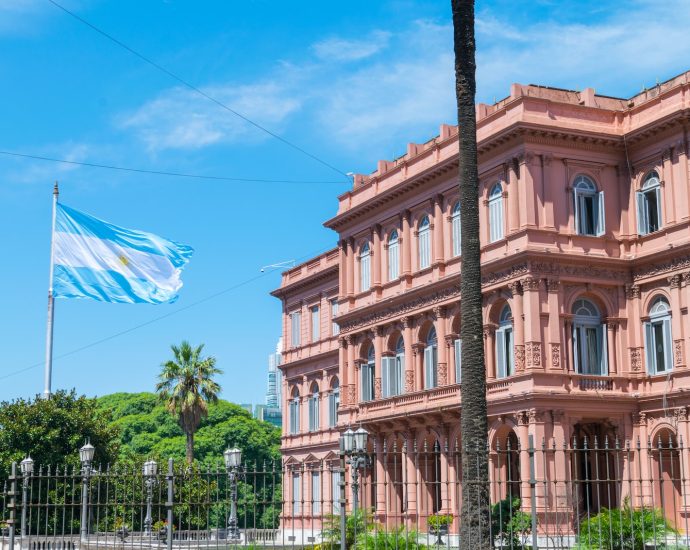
354, 446
149, 470
233, 461
86, 457
27, 467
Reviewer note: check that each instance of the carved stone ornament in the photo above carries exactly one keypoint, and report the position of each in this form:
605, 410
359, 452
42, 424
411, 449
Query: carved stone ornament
377, 388
530, 283
680, 262
500, 276
680, 414
519, 358
515, 288
535, 415
588, 271
533, 354
442, 374
351, 394
635, 359
522, 418
678, 352
409, 381
556, 356
674, 280
639, 418
632, 291
553, 285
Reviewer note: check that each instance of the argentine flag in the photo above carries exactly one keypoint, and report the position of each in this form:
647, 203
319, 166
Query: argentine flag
98, 260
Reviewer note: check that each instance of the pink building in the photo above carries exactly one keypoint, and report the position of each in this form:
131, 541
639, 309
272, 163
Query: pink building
585, 228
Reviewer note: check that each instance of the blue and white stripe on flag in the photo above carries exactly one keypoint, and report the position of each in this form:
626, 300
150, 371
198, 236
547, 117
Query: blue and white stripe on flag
95, 259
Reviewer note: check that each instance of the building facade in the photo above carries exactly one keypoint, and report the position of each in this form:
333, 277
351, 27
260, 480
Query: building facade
274, 396
585, 251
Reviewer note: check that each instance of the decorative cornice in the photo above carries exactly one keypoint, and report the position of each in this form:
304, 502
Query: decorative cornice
659, 267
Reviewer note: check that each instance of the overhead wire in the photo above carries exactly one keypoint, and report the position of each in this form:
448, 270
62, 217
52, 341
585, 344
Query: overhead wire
162, 172
197, 90
150, 321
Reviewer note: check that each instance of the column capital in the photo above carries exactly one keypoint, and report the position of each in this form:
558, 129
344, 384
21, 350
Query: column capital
632, 291
439, 311
553, 285
407, 321
515, 288
674, 280
529, 284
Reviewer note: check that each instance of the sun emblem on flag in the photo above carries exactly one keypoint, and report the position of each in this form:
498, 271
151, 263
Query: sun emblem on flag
124, 260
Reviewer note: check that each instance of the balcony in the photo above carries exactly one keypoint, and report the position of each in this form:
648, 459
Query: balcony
419, 401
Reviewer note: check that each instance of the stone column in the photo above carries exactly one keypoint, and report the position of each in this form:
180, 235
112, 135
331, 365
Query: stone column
343, 369
553, 355
409, 357
411, 463
437, 231
635, 339
611, 326
667, 188
350, 267
490, 350
644, 488
379, 349
532, 335
547, 190
528, 204
351, 388
406, 246
342, 271
443, 476
513, 210
442, 364
523, 436
677, 328
418, 354
450, 354
518, 326
377, 252
380, 478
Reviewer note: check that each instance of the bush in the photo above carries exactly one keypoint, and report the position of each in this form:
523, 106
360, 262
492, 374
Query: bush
389, 540
355, 524
508, 523
624, 529
438, 521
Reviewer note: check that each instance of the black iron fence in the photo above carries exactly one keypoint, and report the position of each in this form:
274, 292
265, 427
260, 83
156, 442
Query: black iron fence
586, 493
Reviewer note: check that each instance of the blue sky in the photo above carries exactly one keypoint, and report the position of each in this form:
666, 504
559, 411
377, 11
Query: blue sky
350, 82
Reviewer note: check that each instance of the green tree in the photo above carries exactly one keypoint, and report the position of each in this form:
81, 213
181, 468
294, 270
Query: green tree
474, 519
186, 386
52, 430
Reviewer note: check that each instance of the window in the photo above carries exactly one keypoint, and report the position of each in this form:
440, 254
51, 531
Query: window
294, 413
295, 494
333, 403
430, 360
295, 325
314, 408
335, 490
335, 328
393, 256
368, 376
589, 339
424, 238
455, 220
393, 367
315, 323
658, 338
458, 361
649, 205
504, 344
496, 213
315, 493
365, 268
589, 207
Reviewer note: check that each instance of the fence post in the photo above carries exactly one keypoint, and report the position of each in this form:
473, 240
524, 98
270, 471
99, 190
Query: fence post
533, 491
12, 504
169, 504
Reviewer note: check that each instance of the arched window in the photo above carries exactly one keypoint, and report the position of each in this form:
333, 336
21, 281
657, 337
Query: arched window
504, 343
658, 337
431, 360
649, 205
589, 207
364, 267
455, 220
393, 256
424, 238
458, 360
294, 412
496, 213
392, 367
589, 339
368, 370
314, 408
333, 403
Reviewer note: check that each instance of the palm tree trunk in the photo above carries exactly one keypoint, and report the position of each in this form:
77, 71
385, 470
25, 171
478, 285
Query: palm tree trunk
190, 447
474, 514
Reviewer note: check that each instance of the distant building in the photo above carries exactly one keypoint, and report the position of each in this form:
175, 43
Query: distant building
247, 407
272, 415
274, 393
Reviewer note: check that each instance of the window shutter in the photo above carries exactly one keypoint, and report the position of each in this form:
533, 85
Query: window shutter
649, 348
428, 367
501, 353
456, 235
335, 491
458, 361
668, 346
576, 351
576, 211
658, 207
385, 377
317, 413
315, 493
603, 350
642, 228
601, 215
399, 367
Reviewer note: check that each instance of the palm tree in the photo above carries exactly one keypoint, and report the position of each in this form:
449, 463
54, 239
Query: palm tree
474, 514
186, 386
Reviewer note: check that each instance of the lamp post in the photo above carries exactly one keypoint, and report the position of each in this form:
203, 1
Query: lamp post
150, 470
27, 467
233, 461
86, 457
354, 447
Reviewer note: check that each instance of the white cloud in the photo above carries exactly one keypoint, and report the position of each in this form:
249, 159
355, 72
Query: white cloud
341, 49
182, 119
35, 171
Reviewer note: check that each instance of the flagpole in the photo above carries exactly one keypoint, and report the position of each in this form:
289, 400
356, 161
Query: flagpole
51, 300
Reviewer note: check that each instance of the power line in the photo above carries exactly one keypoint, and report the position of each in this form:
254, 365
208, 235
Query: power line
197, 90
160, 172
149, 322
